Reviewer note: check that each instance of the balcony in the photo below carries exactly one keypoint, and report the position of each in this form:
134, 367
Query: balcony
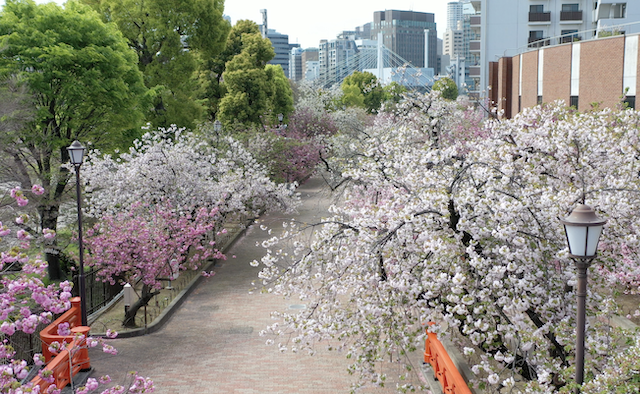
571, 16
535, 42
540, 17
475, 21
474, 46
572, 38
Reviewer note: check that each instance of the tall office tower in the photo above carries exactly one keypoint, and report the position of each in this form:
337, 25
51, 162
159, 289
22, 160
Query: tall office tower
404, 33
454, 14
281, 46
295, 64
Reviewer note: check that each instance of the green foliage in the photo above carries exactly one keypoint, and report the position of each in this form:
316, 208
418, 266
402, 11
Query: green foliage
368, 87
394, 92
352, 97
82, 77
447, 88
83, 83
281, 101
171, 37
214, 67
253, 88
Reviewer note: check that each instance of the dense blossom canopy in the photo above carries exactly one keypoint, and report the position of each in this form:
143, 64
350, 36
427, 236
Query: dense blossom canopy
445, 220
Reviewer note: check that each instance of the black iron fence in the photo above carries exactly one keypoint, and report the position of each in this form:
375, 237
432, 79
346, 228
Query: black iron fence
98, 293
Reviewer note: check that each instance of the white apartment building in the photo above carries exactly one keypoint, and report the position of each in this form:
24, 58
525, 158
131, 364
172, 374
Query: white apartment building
453, 43
510, 27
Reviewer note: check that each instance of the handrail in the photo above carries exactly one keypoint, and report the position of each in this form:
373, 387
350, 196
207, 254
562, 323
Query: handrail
73, 358
62, 369
443, 367
50, 333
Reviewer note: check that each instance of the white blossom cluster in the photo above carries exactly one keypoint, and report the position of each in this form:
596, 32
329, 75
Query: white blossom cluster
450, 221
173, 166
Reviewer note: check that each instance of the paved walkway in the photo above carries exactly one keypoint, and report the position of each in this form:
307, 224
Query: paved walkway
211, 342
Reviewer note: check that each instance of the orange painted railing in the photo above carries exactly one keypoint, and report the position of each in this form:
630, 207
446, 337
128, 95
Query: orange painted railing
443, 367
62, 369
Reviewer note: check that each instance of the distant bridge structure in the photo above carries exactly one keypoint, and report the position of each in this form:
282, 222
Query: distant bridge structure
381, 61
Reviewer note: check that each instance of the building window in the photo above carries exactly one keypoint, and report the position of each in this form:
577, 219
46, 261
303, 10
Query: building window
536, 34
536, 39
534, 9
630, 102
570, 7
573, 101
569, 36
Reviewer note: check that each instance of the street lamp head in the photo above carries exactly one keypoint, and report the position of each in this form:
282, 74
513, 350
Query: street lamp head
280, 117
217, 126
76, 153
583, 228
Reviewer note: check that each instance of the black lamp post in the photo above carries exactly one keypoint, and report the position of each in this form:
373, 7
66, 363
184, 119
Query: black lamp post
582, 228
76, 154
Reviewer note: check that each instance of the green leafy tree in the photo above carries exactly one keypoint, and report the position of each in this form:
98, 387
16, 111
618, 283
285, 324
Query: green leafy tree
281, 95
249, 89
83, 84
171, 37
352, 97
368, 86
394, 92
214, 67
447, 88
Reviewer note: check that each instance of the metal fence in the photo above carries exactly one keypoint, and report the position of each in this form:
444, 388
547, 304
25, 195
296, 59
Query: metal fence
98, 293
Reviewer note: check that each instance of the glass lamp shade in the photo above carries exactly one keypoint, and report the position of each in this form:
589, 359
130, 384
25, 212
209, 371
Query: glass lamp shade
217, 126
583, 228
76, 153
280, 117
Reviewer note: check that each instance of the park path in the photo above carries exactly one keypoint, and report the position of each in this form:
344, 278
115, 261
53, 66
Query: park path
211, 343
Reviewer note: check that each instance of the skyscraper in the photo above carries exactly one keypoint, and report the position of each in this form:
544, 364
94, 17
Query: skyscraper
404, 33
454, 14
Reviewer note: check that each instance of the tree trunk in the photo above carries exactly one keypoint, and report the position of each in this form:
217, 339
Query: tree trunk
49, 219
130, 314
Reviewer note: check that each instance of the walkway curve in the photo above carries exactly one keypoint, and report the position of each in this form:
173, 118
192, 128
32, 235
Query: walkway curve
211, 343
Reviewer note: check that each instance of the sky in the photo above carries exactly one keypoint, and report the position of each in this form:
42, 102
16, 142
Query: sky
306, 22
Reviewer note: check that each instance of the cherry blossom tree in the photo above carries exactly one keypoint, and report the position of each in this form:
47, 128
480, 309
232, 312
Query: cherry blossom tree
27, 302
157, 203
445, 220
149, 244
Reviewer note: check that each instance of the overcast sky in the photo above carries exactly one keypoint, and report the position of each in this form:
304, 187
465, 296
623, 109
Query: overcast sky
308, 21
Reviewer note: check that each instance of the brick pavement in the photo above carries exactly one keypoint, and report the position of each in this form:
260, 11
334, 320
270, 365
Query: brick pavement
211, 343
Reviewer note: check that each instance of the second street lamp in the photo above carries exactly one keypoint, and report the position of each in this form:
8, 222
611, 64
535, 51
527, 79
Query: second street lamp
582, 228
76, 155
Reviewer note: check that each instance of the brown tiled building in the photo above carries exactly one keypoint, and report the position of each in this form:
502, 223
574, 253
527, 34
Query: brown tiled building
600, 71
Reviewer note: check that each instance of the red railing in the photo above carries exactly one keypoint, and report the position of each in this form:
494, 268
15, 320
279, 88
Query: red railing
443, 367
70, 360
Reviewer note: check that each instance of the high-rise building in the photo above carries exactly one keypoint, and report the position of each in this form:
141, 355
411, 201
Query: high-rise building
281, 46
509, 27
295, 64
453, 42
454, 14
298, 62
337, 59
404, 33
